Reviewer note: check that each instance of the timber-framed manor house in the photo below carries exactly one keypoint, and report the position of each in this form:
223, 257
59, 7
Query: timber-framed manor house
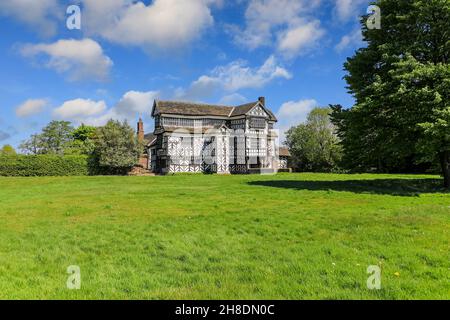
191, 137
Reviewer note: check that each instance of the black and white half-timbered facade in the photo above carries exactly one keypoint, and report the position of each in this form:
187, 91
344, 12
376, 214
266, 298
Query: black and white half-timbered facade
196, 138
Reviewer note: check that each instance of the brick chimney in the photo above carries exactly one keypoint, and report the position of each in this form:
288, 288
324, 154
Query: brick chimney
262, 100
140, 130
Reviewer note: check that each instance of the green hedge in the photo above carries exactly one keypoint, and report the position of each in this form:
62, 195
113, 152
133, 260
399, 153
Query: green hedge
44, 165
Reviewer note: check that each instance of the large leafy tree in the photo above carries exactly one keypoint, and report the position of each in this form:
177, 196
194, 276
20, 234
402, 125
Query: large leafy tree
437, 137
31, 146
116, 146
400, 82
83, 140
55, 138
61, 138
314, 145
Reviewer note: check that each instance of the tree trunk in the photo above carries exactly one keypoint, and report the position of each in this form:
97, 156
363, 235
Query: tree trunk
445, 165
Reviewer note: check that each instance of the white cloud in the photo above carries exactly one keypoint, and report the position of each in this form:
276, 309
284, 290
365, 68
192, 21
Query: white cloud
235, 76
286, 20
233, 99
353, 39
40, 15
300, 39
348, 9
31, 107
131, 105
79, 109
135, 103
161, 24
293, 113
78, 59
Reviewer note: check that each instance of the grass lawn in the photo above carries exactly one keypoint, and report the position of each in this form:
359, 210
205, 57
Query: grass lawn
290, 236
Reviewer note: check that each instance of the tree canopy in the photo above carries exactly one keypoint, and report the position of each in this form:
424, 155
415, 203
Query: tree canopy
82, 140
314, 145
401, 83
55, 138
116, 146
60, 138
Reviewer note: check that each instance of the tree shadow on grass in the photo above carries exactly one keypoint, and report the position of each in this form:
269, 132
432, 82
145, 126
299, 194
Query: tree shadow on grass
395, 187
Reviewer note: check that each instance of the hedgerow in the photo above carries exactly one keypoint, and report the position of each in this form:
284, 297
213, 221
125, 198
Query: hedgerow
45, 165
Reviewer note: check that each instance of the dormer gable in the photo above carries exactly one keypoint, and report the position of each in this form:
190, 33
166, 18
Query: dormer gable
258, 111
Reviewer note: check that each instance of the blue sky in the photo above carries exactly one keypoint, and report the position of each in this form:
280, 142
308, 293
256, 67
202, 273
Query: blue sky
129, 53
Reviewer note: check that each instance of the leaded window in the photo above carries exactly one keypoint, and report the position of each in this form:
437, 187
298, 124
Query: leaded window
259, 123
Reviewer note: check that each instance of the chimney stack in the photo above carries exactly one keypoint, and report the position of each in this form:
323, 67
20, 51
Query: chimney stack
140, 130
262, 100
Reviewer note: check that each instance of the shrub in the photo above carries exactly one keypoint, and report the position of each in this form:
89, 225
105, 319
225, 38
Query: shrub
116, 147
45, 165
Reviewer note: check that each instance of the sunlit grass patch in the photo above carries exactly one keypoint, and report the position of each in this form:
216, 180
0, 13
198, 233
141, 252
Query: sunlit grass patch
298, 236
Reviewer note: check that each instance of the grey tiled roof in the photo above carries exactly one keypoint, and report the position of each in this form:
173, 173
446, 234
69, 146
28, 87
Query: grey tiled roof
149, 138
192, 109
243, 109
199, 109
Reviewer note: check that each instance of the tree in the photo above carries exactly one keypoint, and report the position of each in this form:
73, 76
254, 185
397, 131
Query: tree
7, 150
314, 145
116, 146
32, 145
83, 133
400, 80
83, 140
437, 137
55, 138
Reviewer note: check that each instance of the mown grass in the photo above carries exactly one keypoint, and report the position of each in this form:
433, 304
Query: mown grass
298, 236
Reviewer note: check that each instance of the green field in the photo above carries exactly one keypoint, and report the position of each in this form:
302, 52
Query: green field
298, 236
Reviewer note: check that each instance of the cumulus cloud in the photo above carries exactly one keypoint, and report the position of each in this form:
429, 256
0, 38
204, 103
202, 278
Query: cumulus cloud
293, 113
348, 9
233, 99
285, 21
136, 102
161, 24
235, 76
131, 105
77, 59
79, 109
353, 39
41, 15
31, 107
300, 39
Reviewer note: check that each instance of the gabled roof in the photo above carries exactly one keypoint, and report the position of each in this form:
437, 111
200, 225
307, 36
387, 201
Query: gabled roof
149, 139
243, 109
190, 109
199, 109
246, 108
